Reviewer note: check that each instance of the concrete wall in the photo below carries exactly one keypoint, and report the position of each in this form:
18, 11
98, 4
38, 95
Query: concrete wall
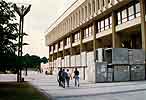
90, 70
101, 72
121, 73
137, 72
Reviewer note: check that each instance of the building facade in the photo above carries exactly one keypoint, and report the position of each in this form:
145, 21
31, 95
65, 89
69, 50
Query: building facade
90, 24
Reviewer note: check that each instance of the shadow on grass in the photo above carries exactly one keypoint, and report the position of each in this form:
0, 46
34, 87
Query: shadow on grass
20, 91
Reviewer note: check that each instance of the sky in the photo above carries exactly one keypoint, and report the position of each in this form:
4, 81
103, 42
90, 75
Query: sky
36, 22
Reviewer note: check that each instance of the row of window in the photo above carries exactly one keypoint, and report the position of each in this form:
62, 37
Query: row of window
129, 13
104, 24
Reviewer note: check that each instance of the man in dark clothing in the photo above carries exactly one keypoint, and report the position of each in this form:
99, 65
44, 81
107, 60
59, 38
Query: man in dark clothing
68, 77
76, 76
60, 78
64, 76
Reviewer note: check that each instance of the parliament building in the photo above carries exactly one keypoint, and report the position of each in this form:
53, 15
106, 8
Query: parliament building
87, 25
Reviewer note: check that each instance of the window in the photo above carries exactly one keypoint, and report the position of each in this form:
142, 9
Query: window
68, 40
119, 17
102, 25
65, 42
90, 30
110, 21
137, 7
51, 48
56, 47
61, 44
106, 23
99, 25
76, 37
131, 12
124, 15
86, 34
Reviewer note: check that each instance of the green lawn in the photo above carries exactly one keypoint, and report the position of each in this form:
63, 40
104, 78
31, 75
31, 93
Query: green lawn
22, 91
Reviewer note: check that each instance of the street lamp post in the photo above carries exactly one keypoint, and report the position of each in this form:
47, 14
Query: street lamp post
21, 11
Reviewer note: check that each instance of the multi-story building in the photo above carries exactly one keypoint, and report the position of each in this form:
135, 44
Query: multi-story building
90, 24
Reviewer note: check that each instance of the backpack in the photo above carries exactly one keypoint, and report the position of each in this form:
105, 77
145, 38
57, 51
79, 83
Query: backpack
76, 72
64, 75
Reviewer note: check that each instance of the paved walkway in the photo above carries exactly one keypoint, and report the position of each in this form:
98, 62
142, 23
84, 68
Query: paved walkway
87, 91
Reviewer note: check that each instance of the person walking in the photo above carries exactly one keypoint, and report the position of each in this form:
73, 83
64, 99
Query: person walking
76, 76
59, 77
68, 77
64, 76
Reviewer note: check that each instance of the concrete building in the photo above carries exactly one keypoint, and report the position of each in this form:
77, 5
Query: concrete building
90, 24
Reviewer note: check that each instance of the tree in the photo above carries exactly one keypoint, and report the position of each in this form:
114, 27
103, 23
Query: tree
8, 29
44, 60
8, 35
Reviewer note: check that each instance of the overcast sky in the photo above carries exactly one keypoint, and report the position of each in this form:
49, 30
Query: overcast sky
36, 22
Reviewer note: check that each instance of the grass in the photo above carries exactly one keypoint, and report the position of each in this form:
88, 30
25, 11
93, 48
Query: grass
19, 91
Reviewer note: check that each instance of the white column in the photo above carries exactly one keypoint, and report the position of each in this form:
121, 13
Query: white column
79, 16
106, 3
97, 5
91, 3
87, 10
101, 4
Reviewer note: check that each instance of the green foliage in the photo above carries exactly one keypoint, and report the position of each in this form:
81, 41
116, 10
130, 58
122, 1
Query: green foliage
44, 60
8, 29
8, 35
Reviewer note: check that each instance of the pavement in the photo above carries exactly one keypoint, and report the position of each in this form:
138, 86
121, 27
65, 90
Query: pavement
87, 91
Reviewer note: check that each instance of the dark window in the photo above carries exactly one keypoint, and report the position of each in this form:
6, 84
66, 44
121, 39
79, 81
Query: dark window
65, 42
59, 45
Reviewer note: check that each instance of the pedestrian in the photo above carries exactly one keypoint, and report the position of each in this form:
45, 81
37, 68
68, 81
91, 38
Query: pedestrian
68, 77
59, 77
76, 76
64, 76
